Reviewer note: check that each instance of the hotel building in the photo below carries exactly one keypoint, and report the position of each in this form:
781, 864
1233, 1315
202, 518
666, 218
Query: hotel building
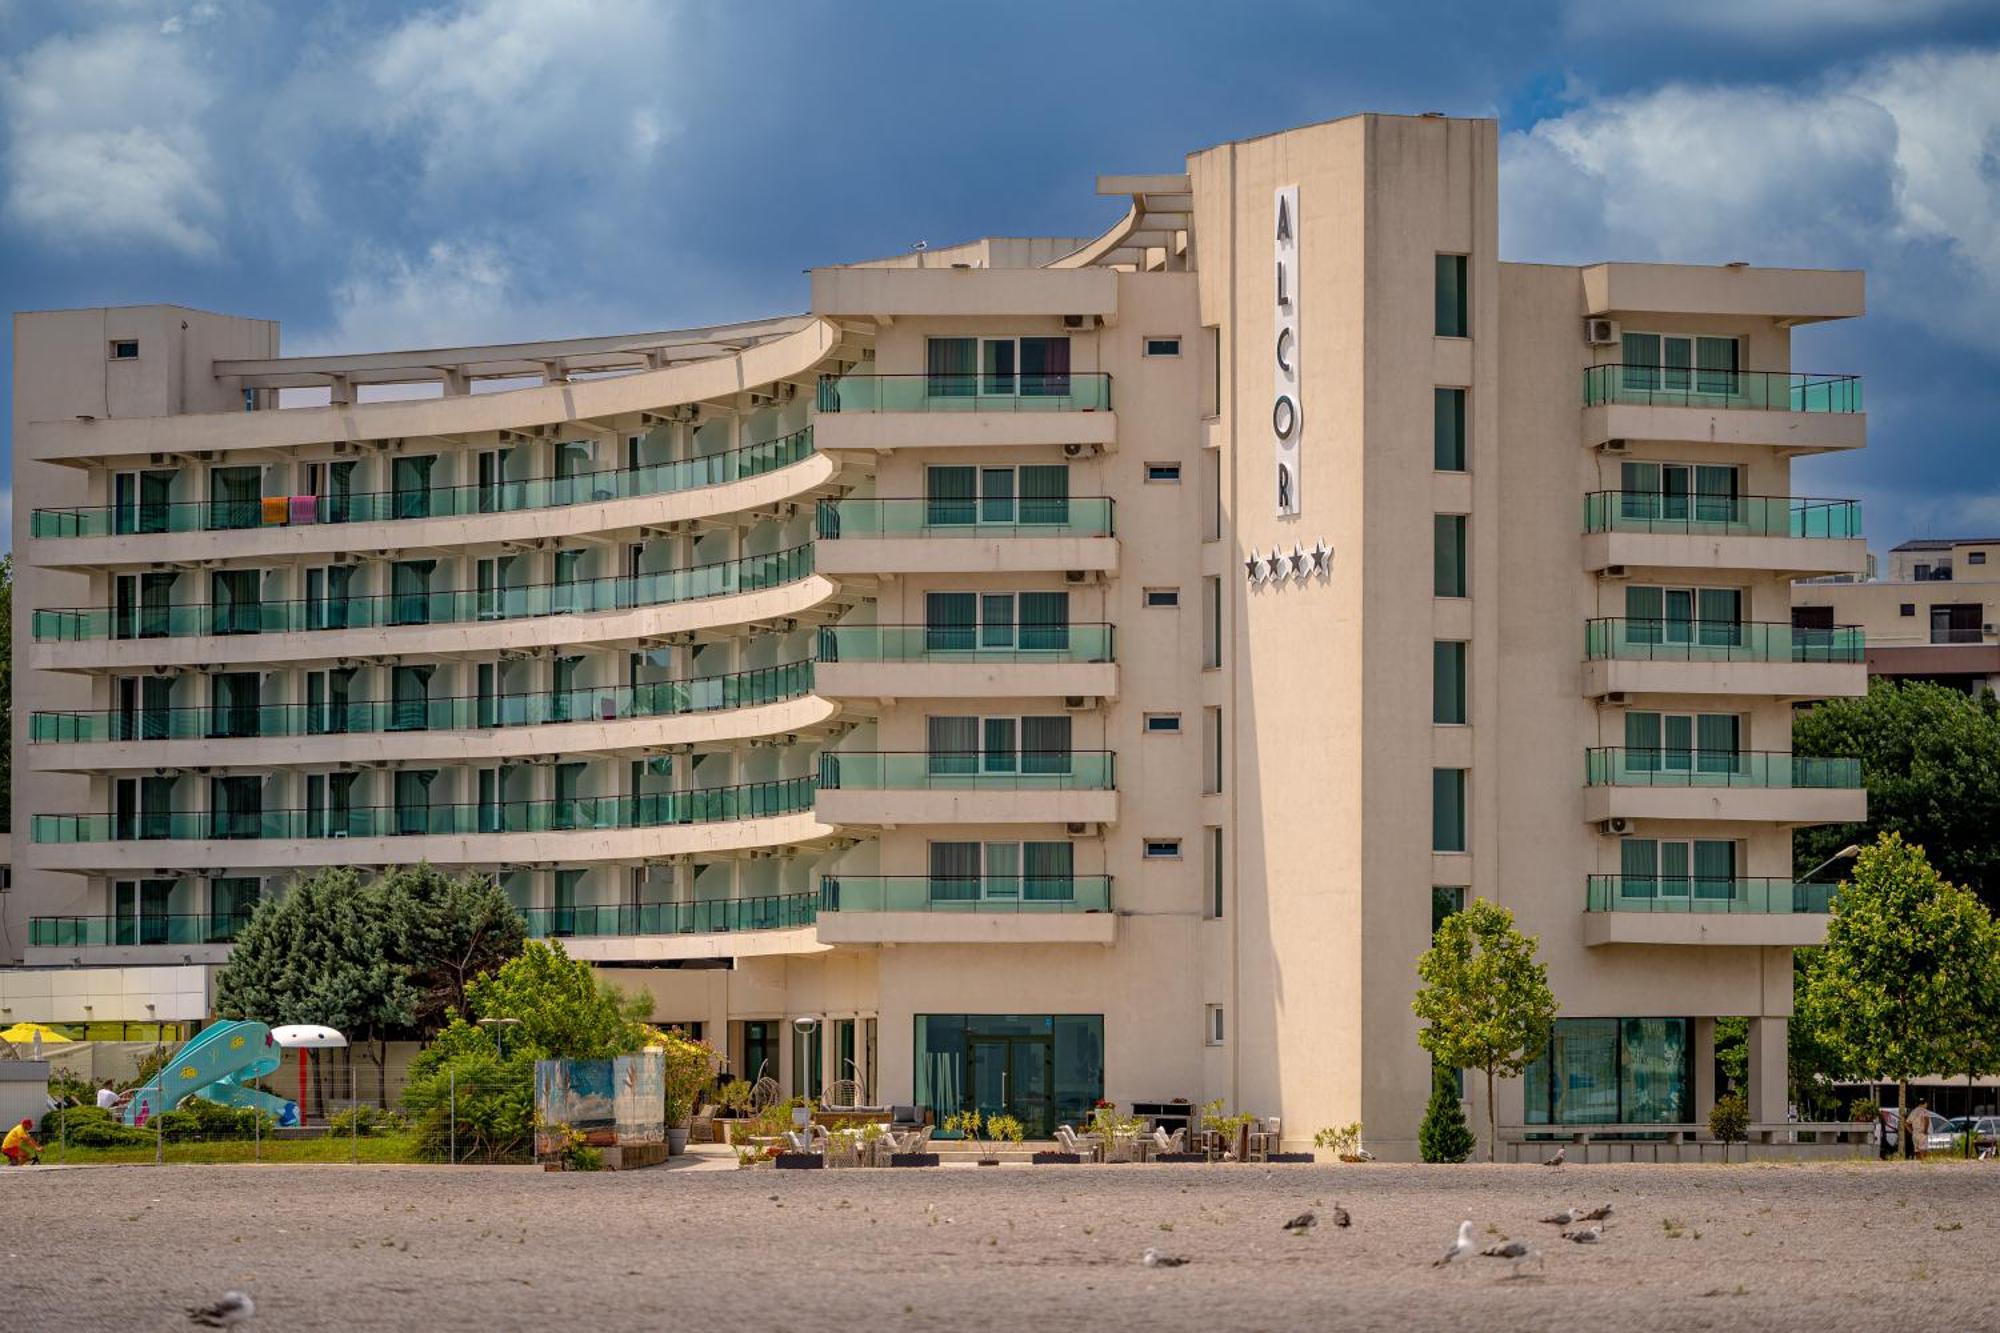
1063, 668
1934, 615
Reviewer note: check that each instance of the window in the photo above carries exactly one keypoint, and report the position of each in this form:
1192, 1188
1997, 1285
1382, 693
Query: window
1681, 363
964, 621
1211, 621
1211, 775
124, 349
1163, 597
1907, 609
1447, 809
1212, 1025
1699, 868
1211, 495
960, 495
1163, 472
1449, 572
1163, 347
1213, 873
1961, 623
1680, 493
1451, 282
1448, 681
1637, 1071
1163, 724
1975, 558
1002, 872
1708, 617
969, 367
976, 745
1446, 899
1163, 849
1448, 430
1682, 743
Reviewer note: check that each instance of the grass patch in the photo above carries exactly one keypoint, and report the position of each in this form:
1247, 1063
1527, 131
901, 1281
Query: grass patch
383, 1148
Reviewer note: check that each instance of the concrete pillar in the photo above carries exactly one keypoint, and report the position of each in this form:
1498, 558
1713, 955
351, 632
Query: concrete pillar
1768, 1070
1704, 1069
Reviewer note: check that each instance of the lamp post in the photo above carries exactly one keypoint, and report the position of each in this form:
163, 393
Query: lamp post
500, 1036
1847, 853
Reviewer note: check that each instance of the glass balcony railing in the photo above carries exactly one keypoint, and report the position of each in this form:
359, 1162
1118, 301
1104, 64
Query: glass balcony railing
753, 800
1626, 639
1088, 516
778, 912
1091, 642
742, 689
456, 606
918, 770
1720, 515
92, 932
497, 497
1618, 766
977, 893
1753, 895
1684, 386
1069, 391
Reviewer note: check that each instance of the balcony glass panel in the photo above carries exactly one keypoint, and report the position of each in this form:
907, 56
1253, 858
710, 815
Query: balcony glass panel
1681, 766
1754, 895
911, 770
1081, 516
931, 643
90, 932
1012, 894
966, 390
1639, 639
1765, 390
1720, 515
777, 912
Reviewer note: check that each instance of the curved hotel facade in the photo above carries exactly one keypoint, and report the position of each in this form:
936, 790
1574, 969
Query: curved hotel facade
1067, 668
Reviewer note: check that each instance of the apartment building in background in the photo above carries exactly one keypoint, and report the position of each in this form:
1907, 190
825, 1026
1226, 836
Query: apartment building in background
1063, 668
1933, 615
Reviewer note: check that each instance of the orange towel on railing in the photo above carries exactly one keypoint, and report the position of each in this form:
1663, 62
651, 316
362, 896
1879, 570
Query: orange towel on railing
305, 508
276, 507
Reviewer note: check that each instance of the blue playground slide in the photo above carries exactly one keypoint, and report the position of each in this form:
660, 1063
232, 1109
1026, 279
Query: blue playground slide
215, 1064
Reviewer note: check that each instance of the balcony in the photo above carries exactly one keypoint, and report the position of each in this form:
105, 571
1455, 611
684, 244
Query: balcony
919, 787
926, 909
458, 724
483, 499
1752, 911
1776, 534
150, 928
996, 536
1796, 411
962, 662
704, 929
1758, 785
1701, 657
971, 410
406, 609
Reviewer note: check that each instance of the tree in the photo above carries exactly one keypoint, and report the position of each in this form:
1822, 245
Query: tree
1444, 1136
1930, 758
321, 954
447, 930
563, 1010
1905, 971
1732, 1051
1485, 1002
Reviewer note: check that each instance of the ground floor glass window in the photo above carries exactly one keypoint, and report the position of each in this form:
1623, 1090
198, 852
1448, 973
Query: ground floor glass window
1613, 1071
1043, 1069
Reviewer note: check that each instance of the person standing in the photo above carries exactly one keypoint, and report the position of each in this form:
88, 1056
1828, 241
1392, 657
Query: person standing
107, 1097
1920, 1128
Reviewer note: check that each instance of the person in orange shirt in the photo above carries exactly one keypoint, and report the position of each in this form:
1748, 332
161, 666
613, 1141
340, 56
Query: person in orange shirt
20, 1147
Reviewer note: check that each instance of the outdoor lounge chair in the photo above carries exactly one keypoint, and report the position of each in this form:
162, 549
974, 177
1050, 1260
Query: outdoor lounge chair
1083, 1145
1165, 1142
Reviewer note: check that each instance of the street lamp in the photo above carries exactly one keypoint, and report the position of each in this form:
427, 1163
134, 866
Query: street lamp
500, 1037
1847, 853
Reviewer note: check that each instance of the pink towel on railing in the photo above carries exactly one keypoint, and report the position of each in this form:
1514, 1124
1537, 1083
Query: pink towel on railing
305, 509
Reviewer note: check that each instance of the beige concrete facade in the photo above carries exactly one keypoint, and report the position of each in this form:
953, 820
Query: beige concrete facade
940, 666
1933, 614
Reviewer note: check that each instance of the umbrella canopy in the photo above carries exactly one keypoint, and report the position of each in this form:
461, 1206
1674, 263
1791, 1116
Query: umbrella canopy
24, 1034
313, 1036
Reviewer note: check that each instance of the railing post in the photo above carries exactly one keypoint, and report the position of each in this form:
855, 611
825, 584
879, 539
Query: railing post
453, 1079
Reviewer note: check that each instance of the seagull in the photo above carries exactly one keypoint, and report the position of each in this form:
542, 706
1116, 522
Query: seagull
1340, 1217
1598, 1214
1585, 1235
1515, 1250
1303, 1223
1566, 1217
1459, 1248
1562, 1155
234, 1308
1152, 1258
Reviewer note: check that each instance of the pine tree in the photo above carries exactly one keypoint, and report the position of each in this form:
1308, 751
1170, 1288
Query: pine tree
1444, 1135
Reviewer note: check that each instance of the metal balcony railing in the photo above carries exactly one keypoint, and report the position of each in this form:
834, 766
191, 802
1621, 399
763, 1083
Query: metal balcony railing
1689, 386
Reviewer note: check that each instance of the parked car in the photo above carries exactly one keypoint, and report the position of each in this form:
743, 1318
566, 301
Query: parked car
1985, 1129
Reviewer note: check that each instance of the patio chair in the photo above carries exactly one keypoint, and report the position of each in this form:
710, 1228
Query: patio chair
813, 1138
1083, 1145
843, 1094
1165, 1142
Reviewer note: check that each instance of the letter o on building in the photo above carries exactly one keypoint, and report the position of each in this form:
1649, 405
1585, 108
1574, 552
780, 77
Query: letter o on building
1284, 416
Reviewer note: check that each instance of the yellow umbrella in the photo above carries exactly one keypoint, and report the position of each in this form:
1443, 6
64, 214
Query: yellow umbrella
24, 1034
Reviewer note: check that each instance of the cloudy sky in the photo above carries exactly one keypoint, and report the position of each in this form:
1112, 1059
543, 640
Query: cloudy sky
384, 175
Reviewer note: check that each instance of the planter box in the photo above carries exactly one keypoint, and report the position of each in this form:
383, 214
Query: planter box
913, 1159
1179, 1157
1283, 1157
800, 1161
1058, 1159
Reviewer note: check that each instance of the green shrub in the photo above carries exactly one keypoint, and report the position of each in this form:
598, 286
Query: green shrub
1863, 1110
197, 1118
495, 1098
1729, 1118
364, 1120
1444, 1136
91, 1127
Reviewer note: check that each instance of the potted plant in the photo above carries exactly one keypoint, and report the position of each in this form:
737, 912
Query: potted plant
1003, 1129
1344, 1142
967, 1124
690, 1064
1229, 1134
732, 1102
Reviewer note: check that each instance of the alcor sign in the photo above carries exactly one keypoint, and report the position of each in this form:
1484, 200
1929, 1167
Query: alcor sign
1287, 419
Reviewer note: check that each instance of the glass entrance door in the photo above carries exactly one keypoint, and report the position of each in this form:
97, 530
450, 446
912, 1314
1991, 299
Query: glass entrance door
1012, 1075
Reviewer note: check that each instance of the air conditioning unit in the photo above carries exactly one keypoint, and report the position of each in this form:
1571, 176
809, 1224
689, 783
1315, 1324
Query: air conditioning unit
1076, 576
1079, 702
158, 460
1989, 628
1601, 332
1615, 828
341, 446
1614, 571
1613, 446
1079, 829
1083, 321
1615, 697
1081, 450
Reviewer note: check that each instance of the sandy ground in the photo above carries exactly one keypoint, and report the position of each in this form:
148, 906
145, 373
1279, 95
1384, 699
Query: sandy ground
1017, 1248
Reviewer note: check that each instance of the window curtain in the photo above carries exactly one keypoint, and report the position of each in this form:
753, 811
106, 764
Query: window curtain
950, 496
996, 620
411, 483
155, 707
1049, 872
413, 800
155, 501
1720, 611
1639, 490
340, 810
236, 806
1716, 366
235, 603
339, 594
1642, 742
1644, 615
955, 871
952, 744
569, 808
233, 698
410, 698
1716, 740
1045, 744
235, 497
951, 366
949, 619
1715, 491
1638, 867
1044, 621
1044, 367
230, 903
1045, 493
562, 688
1640, 353
339, 506
1714, 869
996, 366
410, 581
1000, 745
